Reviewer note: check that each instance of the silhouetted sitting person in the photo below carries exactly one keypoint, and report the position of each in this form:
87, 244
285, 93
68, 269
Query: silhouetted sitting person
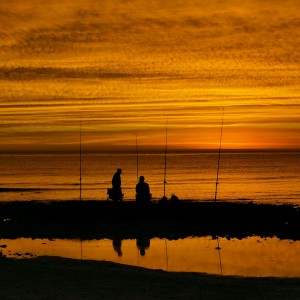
142, 191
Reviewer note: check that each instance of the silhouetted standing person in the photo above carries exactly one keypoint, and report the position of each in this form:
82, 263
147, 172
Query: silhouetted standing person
142, 191
116, 185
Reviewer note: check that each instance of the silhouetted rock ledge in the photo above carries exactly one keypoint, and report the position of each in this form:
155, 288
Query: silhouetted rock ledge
105, 219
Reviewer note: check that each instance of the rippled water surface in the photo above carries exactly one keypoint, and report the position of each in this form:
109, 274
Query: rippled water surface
244, 176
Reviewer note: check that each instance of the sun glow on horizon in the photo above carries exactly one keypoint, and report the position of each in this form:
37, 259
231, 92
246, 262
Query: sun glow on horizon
124, 71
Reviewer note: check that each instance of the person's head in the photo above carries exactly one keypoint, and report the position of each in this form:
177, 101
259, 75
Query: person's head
119, 171
142, 178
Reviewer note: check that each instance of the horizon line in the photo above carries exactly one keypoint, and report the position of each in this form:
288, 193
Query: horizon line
147, 151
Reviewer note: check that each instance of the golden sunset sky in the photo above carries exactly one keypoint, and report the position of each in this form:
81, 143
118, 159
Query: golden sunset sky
126, 67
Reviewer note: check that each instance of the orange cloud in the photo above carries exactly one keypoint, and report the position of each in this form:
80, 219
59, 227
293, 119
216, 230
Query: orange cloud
126, 67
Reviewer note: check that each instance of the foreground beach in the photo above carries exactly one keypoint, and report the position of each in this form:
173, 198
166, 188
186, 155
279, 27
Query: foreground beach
58, 278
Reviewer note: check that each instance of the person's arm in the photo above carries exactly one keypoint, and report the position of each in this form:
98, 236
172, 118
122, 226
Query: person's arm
136, 188
148, 188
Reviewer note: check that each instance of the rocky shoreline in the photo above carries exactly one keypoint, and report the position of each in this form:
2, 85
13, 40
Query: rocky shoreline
105, 219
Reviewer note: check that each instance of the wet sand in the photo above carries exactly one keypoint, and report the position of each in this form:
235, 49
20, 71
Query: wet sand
58, 278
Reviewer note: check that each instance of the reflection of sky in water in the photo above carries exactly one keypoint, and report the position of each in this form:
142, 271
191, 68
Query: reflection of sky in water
252, 256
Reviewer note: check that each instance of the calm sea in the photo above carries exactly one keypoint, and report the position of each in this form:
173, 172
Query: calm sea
271, 177
258, 176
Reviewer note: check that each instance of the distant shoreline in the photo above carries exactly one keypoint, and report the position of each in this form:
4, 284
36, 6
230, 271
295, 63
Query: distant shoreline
131, 150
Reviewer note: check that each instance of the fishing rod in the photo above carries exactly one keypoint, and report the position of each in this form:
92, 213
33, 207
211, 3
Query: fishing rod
219, 158
80, 162
137, 159
165, 170
216, 191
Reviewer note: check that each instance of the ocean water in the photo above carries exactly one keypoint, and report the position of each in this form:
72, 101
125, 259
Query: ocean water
258, 176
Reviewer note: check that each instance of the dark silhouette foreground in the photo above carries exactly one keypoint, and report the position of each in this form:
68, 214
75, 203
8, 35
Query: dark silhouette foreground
57, 278
128, 220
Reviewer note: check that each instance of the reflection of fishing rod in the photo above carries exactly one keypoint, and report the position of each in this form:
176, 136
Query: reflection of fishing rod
165, 172
80, 163
219, 157
167, 257
220, 260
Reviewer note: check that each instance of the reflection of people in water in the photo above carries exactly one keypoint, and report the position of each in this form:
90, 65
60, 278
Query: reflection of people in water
142, 191
143, 244
117, 244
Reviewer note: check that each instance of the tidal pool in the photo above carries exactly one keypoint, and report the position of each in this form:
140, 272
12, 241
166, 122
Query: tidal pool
252, 256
